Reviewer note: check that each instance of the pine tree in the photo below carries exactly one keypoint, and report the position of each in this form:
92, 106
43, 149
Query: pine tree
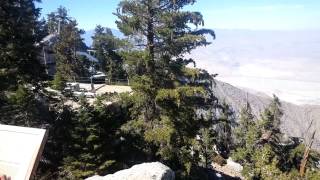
246, 121
85, 148
206, 140
271, 117
20, 70
224, 130
58, 82
107, 47
95, 145
153, 24
18, 54
56, 20
41, 30
68, 43
247, 134
167, 94
259, 148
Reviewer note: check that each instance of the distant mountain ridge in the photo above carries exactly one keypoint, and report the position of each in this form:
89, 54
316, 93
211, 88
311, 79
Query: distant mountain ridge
295, 121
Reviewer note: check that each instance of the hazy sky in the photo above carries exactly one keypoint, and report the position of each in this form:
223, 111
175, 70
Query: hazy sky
285, 63
223, 14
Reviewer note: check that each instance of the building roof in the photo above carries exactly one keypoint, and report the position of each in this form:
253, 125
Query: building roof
90, 57
50, 39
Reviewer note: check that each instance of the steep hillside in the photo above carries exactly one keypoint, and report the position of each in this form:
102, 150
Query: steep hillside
295, 122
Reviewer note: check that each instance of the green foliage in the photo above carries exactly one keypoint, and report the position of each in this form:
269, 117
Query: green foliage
271, 116
135, 62
191, 73
107, 47
260, 151
18, 54
32, 108
167, 95
244, 153
58, 82
58, 142
171, 116
84, 137
69, 41
21, 108
22, 96
246, 121
223, 127
206, 141
94, 141
162, 28
259, 161
246, 134
158, 121
160, 134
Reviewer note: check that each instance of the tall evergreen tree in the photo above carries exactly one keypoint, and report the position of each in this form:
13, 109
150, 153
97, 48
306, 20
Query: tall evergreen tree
107, 48
206, 149
247, 134
18, 54
56, 20
85, 144
224, 130
271, 117
246, 121
162, 29
167, 94
94, 141
68, 43
20, 70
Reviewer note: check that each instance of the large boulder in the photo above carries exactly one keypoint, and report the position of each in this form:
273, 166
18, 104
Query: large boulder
145, 171
234, 165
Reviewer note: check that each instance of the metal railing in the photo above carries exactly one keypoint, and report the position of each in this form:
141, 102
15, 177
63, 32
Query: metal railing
114, 81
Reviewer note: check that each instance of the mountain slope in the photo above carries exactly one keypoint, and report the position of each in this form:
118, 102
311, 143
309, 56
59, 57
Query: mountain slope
296, 119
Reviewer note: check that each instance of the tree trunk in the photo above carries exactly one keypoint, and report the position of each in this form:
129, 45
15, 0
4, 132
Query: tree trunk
150, 39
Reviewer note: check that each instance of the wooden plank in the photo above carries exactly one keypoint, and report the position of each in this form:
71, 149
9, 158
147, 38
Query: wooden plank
20, 150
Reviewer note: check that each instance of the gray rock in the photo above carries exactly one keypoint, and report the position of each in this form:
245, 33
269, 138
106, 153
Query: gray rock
145, 171
234, 165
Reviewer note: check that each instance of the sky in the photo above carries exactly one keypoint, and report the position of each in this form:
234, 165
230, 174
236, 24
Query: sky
221, 14
272, 46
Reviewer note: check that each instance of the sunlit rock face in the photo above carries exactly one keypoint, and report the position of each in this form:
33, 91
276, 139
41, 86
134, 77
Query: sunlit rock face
145, 171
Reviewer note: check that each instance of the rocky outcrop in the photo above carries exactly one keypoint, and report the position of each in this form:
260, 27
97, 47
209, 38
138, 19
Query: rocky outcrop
231, 170
145, 171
